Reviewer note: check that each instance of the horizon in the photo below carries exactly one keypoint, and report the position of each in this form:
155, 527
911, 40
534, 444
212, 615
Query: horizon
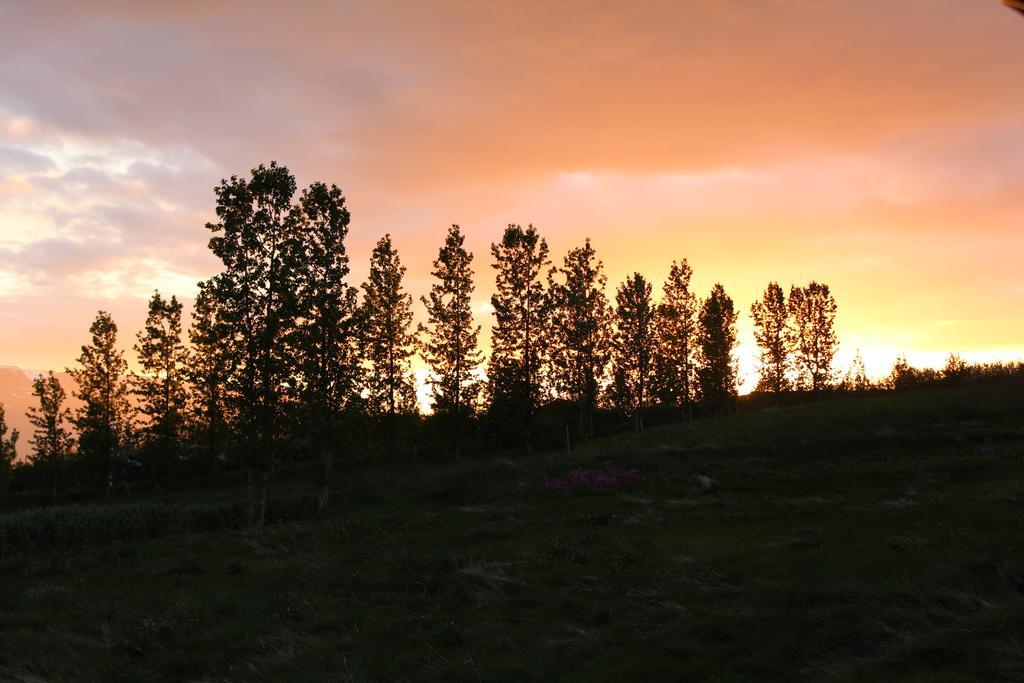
877, 149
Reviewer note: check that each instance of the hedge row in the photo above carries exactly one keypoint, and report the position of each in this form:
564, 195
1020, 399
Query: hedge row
70, 526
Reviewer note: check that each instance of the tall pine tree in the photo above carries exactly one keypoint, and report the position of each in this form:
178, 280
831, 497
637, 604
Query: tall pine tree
448, 340
634, 348
325, 338
385, 321
580, 342
51, 441
676, 331
161, 388
716, 340
255, 300
518, 336
8, 451
813, 312
104, 421
856, 378
211, 364
774, 339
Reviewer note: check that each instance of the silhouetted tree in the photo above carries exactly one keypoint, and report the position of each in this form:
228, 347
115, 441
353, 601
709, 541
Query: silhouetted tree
104, 421
812, 310
210, 365
580, 341
633, 348
675, 332
903, 375
448, 341
255, 300
956, 369
518, 337
385, 321
774, 339
51, 441
716, 340
161, 386
326, 338
8, 451
857, 376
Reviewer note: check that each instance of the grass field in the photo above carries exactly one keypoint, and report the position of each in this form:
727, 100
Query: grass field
864, 539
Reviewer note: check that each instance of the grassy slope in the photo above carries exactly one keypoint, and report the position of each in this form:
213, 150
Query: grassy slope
862, 539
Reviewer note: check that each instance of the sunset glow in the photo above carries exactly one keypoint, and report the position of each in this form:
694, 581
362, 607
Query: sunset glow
878, 147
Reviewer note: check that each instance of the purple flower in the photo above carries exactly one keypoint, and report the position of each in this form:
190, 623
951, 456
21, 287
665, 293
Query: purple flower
606, 478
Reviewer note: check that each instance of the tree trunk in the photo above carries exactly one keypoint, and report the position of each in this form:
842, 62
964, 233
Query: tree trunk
458, 432
325, 487
264, 485
251, 498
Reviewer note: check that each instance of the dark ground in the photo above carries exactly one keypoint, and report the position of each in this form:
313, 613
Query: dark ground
861, 539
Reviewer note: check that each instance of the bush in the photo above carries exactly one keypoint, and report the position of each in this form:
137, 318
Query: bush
68, 526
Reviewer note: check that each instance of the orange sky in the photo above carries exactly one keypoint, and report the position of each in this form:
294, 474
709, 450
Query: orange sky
876, 146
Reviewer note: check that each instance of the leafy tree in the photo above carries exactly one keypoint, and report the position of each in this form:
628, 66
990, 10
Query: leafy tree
161, 387
448, 341
326, 337
104, 421
903, 375
211, 364
813, 313
255, 301
580, 346
675, 332
774, 340
956, 369
518, 336
385, 321
716, 340
857, 376
51, 441
633, 348
8, 451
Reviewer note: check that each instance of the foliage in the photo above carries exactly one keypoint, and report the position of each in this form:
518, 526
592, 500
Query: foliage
161, 386
105, 420
633, 348
856, 378
813, 313
254, 237
448, 340
211, 364
675, 329
716, 341
515, 375
51, 441
956, 369
774, 339
386, 319
608, 477
8, 451
76, 526
580, 340
325, 337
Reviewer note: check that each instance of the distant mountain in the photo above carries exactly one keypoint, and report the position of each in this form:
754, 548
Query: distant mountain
16, 397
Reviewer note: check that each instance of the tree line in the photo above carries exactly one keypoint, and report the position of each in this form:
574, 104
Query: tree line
285, 357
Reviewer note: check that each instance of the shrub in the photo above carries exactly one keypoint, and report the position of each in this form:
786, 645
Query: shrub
67, 526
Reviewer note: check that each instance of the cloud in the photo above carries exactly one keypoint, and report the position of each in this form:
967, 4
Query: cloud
113, 218
784, 139
15, 160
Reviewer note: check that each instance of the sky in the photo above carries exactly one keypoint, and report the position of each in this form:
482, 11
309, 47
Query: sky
875, 146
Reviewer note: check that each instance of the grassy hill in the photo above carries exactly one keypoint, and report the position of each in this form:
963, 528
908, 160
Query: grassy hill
875, 538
